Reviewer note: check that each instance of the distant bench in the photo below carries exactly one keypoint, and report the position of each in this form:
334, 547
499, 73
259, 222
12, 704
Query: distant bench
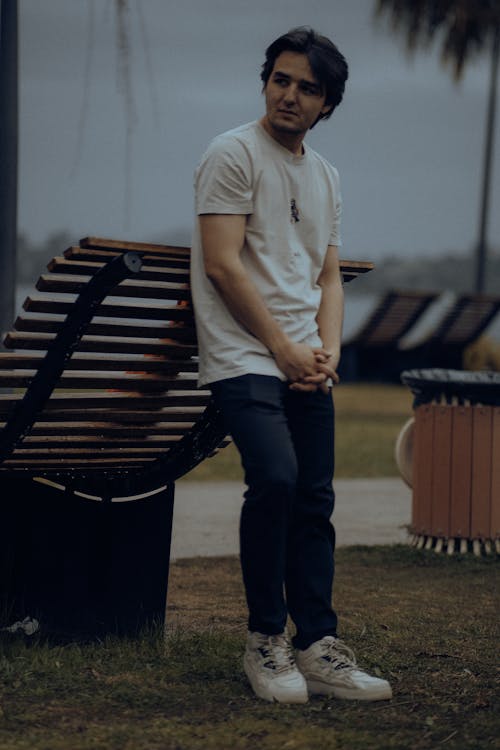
383, 346
99, 403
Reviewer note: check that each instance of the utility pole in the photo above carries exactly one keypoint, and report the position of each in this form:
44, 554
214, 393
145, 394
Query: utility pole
482, 244
8, 159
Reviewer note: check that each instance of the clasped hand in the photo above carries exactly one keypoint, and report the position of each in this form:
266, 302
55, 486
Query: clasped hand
307, 368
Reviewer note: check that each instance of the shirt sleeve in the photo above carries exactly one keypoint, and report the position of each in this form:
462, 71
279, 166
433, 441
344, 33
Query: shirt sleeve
223, 180
335, 233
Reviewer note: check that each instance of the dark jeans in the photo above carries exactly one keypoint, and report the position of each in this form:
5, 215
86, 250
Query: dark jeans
286, 442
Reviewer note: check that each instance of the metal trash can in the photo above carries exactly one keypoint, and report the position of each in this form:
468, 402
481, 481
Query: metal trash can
455, 460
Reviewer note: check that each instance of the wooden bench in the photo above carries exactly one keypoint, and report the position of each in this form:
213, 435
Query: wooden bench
99, 405
387, 343
467, 317
370, 352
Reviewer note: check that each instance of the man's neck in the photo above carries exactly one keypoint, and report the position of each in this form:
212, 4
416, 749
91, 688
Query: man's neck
291, 141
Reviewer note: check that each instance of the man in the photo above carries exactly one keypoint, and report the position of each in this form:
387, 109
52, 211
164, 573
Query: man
268, 301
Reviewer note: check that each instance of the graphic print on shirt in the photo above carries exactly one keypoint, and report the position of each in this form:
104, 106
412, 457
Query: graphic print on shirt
294, 212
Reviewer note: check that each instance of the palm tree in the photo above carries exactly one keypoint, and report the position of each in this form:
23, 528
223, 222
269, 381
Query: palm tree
466, 28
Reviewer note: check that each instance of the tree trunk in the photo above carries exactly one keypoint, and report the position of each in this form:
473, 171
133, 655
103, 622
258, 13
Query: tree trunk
482, 244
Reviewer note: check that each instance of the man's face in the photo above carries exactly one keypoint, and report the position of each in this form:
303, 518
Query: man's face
294, 99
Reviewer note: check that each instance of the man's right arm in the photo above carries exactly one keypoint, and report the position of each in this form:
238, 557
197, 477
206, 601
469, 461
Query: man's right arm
222, 238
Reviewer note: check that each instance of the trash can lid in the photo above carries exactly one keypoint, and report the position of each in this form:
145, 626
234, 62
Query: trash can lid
478, 387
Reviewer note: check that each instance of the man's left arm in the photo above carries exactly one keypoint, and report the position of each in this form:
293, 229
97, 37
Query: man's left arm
329, 318
330, 315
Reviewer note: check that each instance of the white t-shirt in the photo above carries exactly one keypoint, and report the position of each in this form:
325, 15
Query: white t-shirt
293, 209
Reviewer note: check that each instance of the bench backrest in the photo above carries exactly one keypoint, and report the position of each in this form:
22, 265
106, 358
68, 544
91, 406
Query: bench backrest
124, 409
467, 318
395, 314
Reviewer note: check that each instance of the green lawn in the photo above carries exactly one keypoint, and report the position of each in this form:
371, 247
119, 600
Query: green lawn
426, 622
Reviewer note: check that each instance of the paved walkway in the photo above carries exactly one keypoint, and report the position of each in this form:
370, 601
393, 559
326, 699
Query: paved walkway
367, 511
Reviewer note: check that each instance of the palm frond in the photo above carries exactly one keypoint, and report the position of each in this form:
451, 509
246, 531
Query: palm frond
466, 27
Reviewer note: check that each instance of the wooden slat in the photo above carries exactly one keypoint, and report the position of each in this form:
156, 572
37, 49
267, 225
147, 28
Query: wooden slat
103, 256
143, 310
125, 246
96, 442
91, 463
118, 380
461, 471
495, 475
116, 418
141, 453
355, 267
127, 420
109, 429
108, 327
105, 400
100, 243
482, 464
102, 362
440, 463
113, 345
155, 274
128, 288
136, 288
422, 469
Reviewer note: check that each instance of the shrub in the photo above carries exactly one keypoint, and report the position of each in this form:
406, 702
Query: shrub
482, 354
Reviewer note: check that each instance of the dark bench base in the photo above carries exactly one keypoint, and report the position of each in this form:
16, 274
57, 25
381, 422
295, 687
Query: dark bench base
83, 568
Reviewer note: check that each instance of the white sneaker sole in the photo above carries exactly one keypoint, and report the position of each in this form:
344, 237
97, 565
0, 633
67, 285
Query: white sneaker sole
276, 695
382, 693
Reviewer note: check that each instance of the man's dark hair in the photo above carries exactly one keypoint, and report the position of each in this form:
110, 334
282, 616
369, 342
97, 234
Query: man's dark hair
327, 63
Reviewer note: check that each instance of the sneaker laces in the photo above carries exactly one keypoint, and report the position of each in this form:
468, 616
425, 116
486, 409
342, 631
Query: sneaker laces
336, 654
276, 652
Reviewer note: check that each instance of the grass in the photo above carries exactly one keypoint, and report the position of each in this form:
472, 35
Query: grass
426, 622
368, 421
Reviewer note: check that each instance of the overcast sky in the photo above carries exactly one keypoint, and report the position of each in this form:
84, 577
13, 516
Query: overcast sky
408, 143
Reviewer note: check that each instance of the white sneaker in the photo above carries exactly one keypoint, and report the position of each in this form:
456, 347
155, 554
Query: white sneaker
270, 667
329, 667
